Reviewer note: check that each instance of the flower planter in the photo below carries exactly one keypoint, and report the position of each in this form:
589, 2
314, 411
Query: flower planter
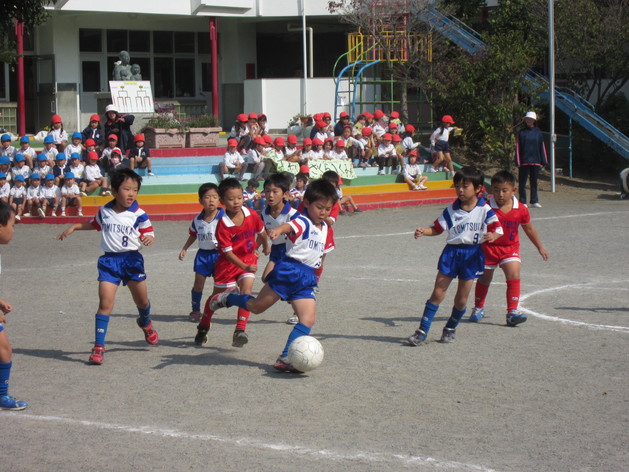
202, 137
161, 138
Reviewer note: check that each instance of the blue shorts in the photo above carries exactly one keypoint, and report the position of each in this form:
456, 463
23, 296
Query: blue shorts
465, 261
18, 200
277, 252
292, 280
116, 267
443, 146
204, 262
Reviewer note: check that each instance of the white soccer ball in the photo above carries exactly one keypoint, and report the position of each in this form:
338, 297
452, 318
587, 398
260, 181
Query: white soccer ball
305, 353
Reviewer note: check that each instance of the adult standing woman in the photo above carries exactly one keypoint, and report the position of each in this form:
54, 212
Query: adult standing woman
120, 125
530, 156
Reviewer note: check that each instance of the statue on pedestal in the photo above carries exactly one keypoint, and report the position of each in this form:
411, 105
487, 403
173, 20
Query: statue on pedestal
123, 70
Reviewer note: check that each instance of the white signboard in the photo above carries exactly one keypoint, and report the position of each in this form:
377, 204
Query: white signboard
132, 97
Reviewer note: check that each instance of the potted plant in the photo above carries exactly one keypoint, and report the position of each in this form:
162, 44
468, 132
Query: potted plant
203, 131
164, 130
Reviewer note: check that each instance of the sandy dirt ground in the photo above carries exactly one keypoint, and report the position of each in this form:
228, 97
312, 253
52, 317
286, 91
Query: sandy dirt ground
549, 395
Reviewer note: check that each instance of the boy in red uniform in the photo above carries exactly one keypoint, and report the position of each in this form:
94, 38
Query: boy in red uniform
238, 233
505, 251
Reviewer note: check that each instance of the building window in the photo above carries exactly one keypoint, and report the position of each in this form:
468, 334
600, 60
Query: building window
90, 73
163, 85
206, 76
184, 43
163, 42
203, 43
4, 68
90, 40
184, 78
139, 41
117, 41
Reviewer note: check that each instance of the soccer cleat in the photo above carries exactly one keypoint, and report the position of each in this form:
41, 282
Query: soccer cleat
293, 320
7, 402
201, 338
220, 299
240, 338
417, 338
96, 357
150, 335
514, 318
282, 365
194, 316
477, 314
41, 212
447, 336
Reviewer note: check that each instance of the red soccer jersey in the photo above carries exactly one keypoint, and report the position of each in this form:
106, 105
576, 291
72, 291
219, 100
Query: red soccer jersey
519, 215
239, 239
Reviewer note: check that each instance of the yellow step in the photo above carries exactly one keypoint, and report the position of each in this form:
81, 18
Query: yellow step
386, 188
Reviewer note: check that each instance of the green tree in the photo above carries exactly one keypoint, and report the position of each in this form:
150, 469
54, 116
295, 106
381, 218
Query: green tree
29, 12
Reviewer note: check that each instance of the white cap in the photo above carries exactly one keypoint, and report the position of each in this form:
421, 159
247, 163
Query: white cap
111, 107
531, 114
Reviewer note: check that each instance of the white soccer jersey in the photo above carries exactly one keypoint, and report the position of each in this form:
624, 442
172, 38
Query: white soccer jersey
78, 171
49, 192
298, 194
18, 192
248, 196
467, 227
70, 191
307, 243
70, 148
120, 232
32, 192
205, 231
24, 171
231, 159
5, 190
92, 173
287, 214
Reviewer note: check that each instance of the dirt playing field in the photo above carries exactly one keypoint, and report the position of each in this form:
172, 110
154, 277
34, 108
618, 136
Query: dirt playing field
549, 395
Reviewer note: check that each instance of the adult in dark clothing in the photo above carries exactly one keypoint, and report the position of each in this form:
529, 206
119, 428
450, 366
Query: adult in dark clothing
120, 125
530, 157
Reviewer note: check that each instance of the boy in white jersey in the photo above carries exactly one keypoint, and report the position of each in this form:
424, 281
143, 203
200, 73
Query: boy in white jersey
124, 228
70, 194
293, 277
203, 229
469, 221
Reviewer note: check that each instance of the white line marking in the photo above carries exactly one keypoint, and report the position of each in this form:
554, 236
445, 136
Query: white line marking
620, 329
328, 454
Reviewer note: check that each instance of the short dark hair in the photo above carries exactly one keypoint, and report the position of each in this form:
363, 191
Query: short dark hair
331, 177
279, 180
203, 189
321, 189
6, 211
119, 176
227, 184
503, 177
253, 183
469, 174
302, 177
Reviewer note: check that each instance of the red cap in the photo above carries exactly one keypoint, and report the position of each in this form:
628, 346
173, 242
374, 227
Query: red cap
327, 115
262, 115
242, 117
112, 136
386, 137
259, 140
316, 141
92, 155
307, 141
340, 143
279, 141
368, 115
392, 125
95, 117
90, 142
304, 169
343, 114
321, 124
138, 137
116, 151
328, 139
378, 114
394, 114
396, 138
317, 117
232, 142
366, 131
409, 128
267, 139
55, 119
447, 119
292, 139
412, 153
253, 116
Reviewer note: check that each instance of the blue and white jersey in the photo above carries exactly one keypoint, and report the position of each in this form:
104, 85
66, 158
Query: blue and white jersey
205, 231
120, 232
307, 243
467, 227
287, 214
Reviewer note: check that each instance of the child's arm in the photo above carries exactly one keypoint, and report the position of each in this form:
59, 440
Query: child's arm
191, 239
234, 259
532, 234
75, 227
280, 230
4, 309
262, 240
429, 231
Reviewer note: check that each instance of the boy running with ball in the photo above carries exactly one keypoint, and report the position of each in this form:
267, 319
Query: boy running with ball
124, 228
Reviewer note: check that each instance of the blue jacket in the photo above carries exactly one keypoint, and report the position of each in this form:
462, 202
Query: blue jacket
530, 149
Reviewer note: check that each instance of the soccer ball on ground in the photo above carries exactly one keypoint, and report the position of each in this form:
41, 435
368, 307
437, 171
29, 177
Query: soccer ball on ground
305, 353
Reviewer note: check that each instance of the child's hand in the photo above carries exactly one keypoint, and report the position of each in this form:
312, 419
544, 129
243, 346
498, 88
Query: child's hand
267, 250
544, 253
273, 233
5, 308
147, 240
419, 232
491, 237
251, 268
65, 234
182, 254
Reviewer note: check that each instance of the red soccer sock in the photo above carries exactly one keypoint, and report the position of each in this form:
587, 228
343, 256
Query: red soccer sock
243, 318
480, 294
206, 319
513, 294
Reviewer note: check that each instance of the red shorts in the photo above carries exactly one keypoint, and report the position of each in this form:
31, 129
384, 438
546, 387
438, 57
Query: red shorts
227, 275
496, 255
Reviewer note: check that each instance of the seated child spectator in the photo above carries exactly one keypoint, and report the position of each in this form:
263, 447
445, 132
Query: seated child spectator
120, 126
341, 123
20, 168
233, 163
392, 129
278, 147
17, 197
5, 188
75, 146
379, 123
317, 149
256, 155
116, 161
353, 147
90, 145
386, 154
94, 132
250, 195
59, 135
413, 173
396, 140
240, 132
361, 122
297, 193
6, 149
103, 161
262, 124
61, 167
368, 144
5, 166
29, 154
50, 150
291, 152
70, 194
33, 202
339, 151
93, 178
407, 141
49, 195
394, 118
328, 147
78, 169
140, 155
306, 151
42, 167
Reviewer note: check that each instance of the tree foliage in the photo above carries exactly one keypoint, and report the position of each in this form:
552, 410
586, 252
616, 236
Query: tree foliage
29, 12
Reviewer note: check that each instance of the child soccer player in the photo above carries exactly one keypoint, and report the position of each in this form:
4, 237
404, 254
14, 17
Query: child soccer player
124, 228
505, 252
468, 221
293, 278
238, 234
70, 194
7, 402
203, 230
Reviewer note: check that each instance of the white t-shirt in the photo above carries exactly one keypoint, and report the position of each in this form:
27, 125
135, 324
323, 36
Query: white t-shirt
333, 154
317, 154
59, 135
440, 135
32, 192
408, 143
92, 173
78, 171
5, 190
24, 171
412, 170
18, 192
51, 154
70, 191
231, 159
254, 157
386, 150
49, 192
70, 148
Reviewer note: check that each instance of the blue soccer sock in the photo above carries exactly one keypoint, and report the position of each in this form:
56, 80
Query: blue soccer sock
5, 373
430, 310
298, 331
102, 322
145, 315
196, 300
238, 300
455, 317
